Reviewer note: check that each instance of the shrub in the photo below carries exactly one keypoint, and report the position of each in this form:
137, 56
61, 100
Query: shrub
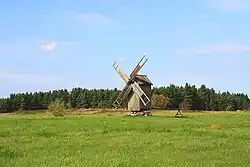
160, 101
57, 107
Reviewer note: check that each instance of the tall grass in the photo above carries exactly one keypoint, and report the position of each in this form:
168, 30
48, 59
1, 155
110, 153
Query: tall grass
200, 139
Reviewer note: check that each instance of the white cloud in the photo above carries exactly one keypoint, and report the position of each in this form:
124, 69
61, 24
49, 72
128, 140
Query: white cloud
219, 48
93, 19
51, 46
220, 81
24, 77
177, 35
230, 5
205, 16
16, 82
121, 59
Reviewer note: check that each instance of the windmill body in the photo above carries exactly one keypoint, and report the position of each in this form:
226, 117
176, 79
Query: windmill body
137, 89
135, 103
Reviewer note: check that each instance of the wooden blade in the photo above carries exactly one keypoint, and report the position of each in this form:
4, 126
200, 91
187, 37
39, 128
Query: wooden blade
139, 66
121, 72
126, 90
137, 89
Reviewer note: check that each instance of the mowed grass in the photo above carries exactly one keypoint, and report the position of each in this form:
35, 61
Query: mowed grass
201, 139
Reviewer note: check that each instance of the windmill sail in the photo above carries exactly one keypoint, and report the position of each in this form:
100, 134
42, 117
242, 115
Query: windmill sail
139, 66
144, 98
139, 100
126, 90
121, 72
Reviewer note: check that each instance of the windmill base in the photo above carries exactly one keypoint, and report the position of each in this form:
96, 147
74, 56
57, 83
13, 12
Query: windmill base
145, 113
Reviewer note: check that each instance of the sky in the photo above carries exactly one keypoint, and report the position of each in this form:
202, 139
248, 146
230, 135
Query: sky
55, 44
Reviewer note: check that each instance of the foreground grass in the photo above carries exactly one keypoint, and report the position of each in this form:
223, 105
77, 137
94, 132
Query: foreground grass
201, 139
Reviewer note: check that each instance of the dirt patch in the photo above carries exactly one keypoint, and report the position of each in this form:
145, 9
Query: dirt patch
215, 126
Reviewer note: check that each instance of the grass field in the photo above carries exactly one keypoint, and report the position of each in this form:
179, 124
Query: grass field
201, 139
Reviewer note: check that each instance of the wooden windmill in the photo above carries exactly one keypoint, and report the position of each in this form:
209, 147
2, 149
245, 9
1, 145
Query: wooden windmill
137, 89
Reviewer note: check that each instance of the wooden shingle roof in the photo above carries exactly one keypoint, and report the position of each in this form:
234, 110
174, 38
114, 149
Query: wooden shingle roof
144, 79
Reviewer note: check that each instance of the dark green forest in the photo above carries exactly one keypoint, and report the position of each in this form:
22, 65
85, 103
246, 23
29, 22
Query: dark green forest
188, 97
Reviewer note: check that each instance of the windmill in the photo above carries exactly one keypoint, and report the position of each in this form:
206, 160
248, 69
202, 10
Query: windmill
137, 89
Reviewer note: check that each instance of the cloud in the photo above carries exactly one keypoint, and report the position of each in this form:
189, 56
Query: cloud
17, 82
219, 48
177, 35
121, 59
94, 19
51, 46
13, 81
205, 16
230, 5
220, 81
24, 77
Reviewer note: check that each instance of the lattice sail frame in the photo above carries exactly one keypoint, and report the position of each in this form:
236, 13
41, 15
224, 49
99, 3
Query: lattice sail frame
131, 85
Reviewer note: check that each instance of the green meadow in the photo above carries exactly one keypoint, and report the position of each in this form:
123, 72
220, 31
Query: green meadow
201, 139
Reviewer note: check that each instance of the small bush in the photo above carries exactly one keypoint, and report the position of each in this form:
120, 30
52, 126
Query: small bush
57, 107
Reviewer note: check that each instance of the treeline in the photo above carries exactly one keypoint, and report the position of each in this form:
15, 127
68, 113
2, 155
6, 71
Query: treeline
187, 97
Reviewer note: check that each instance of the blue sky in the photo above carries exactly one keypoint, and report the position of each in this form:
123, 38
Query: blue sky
52, 44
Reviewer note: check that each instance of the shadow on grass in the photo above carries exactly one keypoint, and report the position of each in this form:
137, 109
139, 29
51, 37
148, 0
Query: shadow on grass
4, 134
30, 112
6, 152
47, 134
142, 130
